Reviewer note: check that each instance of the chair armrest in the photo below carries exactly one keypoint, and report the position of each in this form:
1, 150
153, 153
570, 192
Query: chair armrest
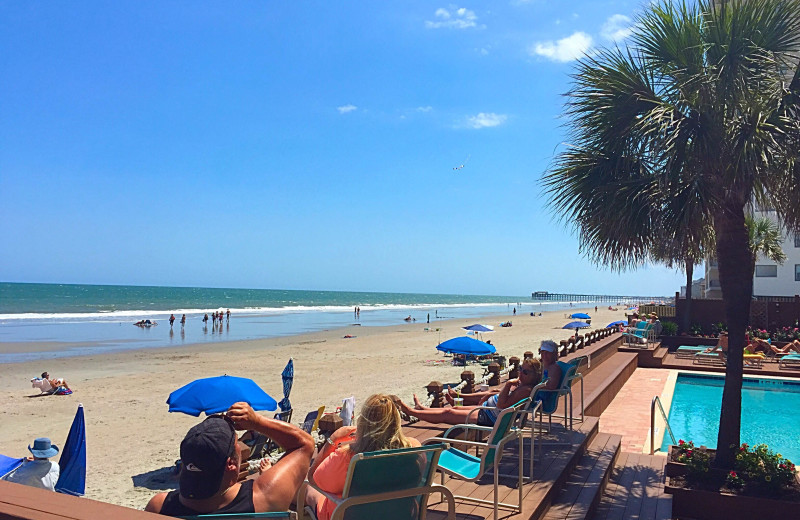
341, 508
457, 441
303, 491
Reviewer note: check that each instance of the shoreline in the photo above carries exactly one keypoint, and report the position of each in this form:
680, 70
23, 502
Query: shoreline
133, 441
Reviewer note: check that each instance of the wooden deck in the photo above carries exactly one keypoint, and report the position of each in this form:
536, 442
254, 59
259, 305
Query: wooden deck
553, 480
636, 490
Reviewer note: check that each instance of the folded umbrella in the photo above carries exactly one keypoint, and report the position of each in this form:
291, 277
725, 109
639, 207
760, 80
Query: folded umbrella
72, 464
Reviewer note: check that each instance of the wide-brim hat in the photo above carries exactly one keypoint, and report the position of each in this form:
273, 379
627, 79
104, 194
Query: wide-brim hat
43, 448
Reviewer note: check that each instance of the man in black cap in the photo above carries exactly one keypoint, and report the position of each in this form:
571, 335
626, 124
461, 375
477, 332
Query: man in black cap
210, 459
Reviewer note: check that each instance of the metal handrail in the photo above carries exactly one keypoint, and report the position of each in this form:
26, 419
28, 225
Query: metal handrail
657, 401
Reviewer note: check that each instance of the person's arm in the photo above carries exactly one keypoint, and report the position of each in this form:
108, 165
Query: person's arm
553, 377
507, 394
329, 447
278, 485
156, 503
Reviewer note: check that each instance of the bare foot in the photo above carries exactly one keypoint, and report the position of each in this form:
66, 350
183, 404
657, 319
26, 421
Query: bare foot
264, 465
417, 404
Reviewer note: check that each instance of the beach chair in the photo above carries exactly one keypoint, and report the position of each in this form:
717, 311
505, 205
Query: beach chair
311, 422
386, 485
279, 416
551, 398
639, 336
463, 466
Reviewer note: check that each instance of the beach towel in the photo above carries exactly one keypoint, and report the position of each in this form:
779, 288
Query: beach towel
61, 390
348, 410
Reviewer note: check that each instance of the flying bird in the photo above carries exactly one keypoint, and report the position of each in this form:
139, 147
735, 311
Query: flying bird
463, 164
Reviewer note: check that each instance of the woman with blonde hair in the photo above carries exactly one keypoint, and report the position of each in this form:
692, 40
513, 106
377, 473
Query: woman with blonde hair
377, 428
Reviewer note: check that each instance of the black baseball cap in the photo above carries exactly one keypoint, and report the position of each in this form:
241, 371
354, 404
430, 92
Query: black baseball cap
204, 452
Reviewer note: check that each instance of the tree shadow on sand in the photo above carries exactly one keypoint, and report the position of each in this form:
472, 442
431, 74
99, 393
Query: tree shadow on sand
158, 479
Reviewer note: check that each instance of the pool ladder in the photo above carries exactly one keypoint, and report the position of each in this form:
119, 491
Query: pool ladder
657, 401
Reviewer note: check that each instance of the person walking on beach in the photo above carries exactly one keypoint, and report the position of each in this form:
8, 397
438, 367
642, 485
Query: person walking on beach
228, 314
429, 317
183, 320
171, 320
205, 320
210, 459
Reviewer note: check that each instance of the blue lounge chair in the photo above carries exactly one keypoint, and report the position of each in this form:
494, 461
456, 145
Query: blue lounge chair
640, 336
688, 351
386, 485
789, 361
463, 466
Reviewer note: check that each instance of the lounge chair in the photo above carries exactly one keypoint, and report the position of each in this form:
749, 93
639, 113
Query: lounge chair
386, 485
789, 361
688, 351
280, 416
463, 466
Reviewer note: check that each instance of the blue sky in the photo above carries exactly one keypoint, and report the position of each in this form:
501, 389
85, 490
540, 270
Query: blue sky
301, 145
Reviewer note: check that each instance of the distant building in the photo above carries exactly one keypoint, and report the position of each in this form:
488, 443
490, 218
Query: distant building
698, 289
769, 279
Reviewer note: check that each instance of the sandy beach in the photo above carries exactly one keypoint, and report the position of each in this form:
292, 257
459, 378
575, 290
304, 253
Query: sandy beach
132, 438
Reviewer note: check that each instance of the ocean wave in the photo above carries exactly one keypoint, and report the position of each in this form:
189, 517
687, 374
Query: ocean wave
126, 315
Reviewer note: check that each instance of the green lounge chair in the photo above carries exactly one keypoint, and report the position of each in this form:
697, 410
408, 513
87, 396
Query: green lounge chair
640, 336
461, 465
387, 485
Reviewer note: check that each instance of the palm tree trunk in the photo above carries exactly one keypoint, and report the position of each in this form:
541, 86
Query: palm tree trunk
686, 319
736, 279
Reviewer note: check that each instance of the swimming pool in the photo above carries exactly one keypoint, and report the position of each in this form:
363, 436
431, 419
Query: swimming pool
770, 412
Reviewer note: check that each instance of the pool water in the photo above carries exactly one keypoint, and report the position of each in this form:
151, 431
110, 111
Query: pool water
770, 413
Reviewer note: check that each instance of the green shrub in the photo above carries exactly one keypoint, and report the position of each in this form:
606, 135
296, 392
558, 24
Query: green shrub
669, 328
761, 466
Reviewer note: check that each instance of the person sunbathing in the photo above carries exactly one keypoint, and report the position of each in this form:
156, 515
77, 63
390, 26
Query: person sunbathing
56, 382
758, 346
721, 347
513, 391
792, 346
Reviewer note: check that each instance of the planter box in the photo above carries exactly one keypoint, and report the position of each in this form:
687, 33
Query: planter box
678, 469
709, 505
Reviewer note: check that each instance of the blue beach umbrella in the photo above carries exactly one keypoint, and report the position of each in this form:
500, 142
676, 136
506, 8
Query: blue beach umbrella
478, 328
580, 316
288, 378
615, 323
9, 464
466, 345
72, 479
216, 394
576, 325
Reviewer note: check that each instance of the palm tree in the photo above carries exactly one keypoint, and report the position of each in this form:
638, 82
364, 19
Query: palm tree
764, 237
700, 115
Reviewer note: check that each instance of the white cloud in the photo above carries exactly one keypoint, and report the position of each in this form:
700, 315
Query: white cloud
427, 108
453, 18
486, 120
617, 27
566, 49
346, 108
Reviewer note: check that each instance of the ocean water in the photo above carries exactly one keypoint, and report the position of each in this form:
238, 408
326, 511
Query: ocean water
87, 319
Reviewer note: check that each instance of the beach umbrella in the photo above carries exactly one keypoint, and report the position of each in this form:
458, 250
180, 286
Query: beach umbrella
72, 479
615, 323
576, 325
466, 345
580, 316
479, 328
9, 464
288, 377
216, 394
